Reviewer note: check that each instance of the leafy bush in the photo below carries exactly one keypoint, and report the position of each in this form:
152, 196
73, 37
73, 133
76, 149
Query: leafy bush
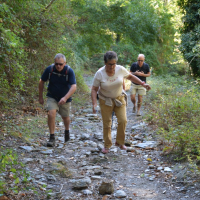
9, 161
190, 34
175, 110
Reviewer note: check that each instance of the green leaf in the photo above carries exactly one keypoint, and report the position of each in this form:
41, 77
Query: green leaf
17, 180
13, 170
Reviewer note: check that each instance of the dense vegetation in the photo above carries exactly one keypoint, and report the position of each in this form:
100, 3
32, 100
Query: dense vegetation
190, 37
174, 110
32, 32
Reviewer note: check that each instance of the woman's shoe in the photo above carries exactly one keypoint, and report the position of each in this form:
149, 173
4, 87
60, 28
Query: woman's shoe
138, 113
121, 146
105, 150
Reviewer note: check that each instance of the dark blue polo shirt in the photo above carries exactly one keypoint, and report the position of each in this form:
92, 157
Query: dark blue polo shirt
145, 68
58, 87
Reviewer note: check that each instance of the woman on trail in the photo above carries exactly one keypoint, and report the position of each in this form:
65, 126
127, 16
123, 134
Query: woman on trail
108, 82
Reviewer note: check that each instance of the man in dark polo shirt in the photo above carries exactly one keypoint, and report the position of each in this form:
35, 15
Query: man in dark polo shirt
62, 85
141, 70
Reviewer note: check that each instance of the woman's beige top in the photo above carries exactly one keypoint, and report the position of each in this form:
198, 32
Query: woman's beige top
110, 86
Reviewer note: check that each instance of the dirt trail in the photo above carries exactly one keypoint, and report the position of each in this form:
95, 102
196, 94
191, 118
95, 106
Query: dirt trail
75, 171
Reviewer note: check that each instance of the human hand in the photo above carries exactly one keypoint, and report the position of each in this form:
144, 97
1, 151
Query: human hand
41, 100
62, 101
94, 108
139, 73
147, 86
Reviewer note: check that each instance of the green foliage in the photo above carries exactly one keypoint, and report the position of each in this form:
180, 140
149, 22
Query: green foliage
9, 161
24, 126
191, 34
127, 53
34, 31
129, 28
174, 109
82, 93
29, 34
14, 178
11, 52
96, 61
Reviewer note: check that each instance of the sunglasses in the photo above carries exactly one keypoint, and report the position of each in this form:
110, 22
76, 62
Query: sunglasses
140, 60
59, 64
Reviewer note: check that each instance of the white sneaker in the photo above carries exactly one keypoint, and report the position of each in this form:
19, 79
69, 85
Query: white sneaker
138, 113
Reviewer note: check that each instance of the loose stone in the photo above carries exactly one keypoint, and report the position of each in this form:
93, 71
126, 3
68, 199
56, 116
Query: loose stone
167, 169
106, 187
120, 194
87, 192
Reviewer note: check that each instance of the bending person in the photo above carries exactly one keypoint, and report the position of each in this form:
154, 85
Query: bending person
108, 82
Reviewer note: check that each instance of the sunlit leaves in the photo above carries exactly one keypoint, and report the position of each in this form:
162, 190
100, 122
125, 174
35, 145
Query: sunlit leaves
32, 35
144, 25
191, 34
174, 110
9, 165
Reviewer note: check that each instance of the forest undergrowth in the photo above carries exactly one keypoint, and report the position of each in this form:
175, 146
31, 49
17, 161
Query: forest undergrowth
174, 110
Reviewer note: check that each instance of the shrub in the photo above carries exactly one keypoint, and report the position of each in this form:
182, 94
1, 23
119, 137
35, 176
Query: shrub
175, 110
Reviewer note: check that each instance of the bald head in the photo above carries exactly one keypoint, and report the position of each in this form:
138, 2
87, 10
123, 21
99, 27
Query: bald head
140, 59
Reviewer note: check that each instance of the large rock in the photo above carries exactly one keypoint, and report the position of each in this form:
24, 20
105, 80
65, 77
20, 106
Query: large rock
81, 183
147, 144
120, 194
106, 187
27, 148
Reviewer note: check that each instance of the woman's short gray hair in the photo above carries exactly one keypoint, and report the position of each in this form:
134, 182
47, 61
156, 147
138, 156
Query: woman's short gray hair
60, 55
110, 55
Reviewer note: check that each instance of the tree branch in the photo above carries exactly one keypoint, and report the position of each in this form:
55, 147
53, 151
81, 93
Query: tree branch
51, 2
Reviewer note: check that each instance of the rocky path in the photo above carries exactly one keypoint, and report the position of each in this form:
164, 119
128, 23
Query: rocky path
79, 171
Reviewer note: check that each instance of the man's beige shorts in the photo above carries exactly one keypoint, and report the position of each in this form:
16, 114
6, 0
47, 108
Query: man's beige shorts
63, 110
137, 89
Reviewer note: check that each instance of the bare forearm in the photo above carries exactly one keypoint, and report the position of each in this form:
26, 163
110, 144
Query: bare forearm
146, 75
41, 88
134, 79
71, 92
140, 74
94, 97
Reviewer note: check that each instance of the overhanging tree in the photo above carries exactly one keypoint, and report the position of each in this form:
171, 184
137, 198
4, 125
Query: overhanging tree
190, 38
